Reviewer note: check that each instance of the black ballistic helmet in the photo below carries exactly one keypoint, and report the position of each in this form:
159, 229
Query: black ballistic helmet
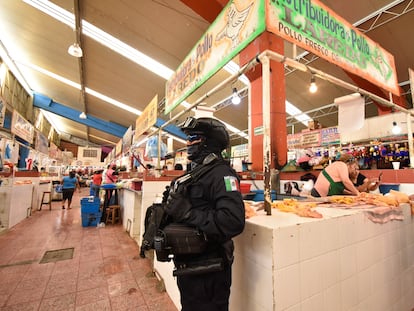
214, 131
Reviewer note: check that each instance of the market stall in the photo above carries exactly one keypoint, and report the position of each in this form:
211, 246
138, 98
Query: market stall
348, 258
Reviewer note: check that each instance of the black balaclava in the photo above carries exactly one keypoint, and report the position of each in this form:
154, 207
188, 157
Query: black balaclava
197, 152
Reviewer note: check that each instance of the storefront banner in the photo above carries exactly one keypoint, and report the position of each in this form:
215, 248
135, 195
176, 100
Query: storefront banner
240, 151
118, 148
314, 138
294, 141
330, 136
317, 29
237, 25
2, 111
311, 139
127, 140
22, 128
147, 119
53, 150
41, 143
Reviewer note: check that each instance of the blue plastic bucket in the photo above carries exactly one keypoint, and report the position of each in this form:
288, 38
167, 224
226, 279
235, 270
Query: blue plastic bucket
259, 195
385, 188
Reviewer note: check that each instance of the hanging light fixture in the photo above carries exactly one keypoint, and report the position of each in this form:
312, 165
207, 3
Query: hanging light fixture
75, 50
313, 87
395, 128
82, 116
235, 98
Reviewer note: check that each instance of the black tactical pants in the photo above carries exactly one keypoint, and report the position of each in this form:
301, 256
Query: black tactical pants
205, 292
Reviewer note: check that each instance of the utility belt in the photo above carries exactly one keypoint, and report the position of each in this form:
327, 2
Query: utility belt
199, 267
189, 248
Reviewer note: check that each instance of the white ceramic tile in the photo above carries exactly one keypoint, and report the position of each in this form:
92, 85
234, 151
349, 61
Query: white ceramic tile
409, 233
316, 239
378, 273
395, 290
365, 285
398, 306
287, 287
294, 308
391, 243
364, 252
332, 298
312, 303
382, 298
330, 271
362, 227
310, 236
406, 261
349, 293
256, 243
348, 262
347, 233
311, 281
252, 282
407, 278
286, 246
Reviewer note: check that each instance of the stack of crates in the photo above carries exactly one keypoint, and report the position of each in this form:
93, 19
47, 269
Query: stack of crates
91, 215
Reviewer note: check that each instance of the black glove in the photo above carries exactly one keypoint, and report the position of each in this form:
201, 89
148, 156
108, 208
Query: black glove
178, 206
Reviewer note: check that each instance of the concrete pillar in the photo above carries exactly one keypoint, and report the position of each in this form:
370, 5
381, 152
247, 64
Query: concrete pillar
267, 41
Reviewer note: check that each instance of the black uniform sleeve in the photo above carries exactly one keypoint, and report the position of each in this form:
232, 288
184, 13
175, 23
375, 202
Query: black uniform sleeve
218, 208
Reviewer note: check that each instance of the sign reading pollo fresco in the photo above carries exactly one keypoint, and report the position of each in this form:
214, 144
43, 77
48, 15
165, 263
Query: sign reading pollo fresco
237, 25
317, 29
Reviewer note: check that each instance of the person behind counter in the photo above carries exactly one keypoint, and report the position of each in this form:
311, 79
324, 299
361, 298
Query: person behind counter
69, 185
96, 183
363, 183
111, 174
335, 178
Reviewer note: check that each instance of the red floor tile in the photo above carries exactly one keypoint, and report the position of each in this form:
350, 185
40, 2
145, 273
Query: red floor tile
105, 273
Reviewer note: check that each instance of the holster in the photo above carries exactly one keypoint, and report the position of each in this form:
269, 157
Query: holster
199, 267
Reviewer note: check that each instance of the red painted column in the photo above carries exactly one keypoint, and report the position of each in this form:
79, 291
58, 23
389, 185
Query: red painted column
267, 41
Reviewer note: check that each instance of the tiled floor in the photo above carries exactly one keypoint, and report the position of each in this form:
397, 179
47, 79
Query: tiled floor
105, 273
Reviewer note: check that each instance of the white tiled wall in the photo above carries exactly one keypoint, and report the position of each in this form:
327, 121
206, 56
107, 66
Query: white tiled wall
341, 262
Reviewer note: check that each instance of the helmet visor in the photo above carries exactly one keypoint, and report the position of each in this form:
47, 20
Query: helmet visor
189, 123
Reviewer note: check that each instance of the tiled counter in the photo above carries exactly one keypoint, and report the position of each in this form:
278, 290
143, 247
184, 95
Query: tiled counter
15, 203
130, 201
341, 262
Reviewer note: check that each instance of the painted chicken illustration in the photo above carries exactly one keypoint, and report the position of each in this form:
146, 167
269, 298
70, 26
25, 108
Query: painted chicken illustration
235, 21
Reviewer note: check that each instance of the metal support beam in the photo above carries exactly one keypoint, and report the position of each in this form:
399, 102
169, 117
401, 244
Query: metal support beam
46, 103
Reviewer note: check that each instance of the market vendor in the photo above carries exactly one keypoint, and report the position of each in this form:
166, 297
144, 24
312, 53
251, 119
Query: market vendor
361, 182
335, 178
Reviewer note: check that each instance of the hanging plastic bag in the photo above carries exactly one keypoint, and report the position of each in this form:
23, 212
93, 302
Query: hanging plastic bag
151, 149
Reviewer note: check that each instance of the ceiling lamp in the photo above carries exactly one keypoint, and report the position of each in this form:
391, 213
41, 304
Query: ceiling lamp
82, 115
75, 50
235, 98
395, 128
313, 87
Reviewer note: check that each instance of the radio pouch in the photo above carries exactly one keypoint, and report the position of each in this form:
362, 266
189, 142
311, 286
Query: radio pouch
183, 239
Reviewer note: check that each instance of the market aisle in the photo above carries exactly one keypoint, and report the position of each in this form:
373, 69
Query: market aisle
105, 272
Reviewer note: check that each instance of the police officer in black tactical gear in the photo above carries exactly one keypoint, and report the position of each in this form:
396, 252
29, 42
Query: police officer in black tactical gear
215, 206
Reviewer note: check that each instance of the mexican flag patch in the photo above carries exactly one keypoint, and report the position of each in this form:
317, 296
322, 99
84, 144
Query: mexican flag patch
231, 182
